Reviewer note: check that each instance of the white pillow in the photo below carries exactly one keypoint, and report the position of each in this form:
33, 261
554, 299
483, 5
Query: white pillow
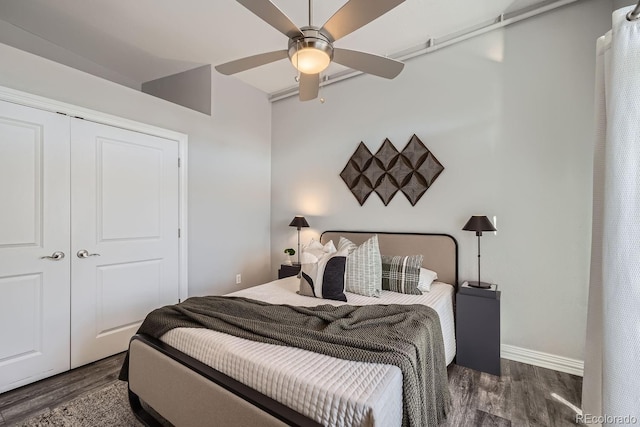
426, 278
330, 248
315, 250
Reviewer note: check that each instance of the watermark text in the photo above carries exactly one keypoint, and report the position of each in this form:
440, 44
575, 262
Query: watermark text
606, 419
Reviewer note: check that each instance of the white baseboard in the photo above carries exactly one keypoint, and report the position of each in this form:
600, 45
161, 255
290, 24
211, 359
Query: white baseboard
544, 360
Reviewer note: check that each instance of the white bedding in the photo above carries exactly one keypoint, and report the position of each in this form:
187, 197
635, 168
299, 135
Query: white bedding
331, 391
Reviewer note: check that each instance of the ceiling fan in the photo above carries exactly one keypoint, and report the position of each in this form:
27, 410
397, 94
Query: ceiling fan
311, 48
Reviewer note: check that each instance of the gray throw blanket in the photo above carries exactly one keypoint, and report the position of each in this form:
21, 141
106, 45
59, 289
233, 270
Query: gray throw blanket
407, 336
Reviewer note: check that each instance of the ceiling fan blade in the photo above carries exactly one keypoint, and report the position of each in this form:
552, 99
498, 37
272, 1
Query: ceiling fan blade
355, 14
368, 63
309, 86
273, 16
251, 62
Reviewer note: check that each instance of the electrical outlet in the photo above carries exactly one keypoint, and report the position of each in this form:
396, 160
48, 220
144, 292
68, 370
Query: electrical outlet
238, 279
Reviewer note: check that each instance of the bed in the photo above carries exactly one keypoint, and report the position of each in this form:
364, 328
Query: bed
202, 377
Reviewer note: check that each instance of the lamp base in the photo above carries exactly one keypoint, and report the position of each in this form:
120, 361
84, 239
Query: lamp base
482, 285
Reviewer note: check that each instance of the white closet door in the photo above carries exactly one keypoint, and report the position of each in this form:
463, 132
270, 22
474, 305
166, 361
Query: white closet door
124, 216
34, 223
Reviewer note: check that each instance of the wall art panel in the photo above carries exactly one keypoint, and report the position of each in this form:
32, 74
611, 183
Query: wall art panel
411, 171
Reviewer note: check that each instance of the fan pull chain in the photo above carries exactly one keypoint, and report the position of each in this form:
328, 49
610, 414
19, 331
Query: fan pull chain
322, 79
297, 77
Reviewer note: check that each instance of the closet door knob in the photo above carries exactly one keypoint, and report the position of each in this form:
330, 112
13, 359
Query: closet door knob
83, 253
56, 256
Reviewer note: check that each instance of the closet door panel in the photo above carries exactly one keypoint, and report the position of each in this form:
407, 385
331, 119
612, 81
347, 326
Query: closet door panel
125, 216
34, 224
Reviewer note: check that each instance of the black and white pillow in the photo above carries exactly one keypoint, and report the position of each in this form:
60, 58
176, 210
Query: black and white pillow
401, 274
325, 278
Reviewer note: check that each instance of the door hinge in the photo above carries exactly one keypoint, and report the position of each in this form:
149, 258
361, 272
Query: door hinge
179, 162
179, 232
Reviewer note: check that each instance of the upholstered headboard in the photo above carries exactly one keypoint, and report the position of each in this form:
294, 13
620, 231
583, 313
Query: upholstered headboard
440, 251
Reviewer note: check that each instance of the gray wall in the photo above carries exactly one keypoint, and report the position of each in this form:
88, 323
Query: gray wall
191, 88
510, 116
24, 40
229, 161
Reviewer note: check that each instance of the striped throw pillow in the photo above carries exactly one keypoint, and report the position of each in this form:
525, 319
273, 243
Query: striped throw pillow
364, 267
401, 274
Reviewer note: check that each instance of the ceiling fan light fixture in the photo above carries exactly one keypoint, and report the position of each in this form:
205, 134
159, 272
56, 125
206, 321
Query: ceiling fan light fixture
312, 53
310, 60
311, 49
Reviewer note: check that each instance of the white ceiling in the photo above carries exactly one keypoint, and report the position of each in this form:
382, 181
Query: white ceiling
147, 39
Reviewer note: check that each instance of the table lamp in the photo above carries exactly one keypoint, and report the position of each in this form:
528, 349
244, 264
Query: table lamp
299, 222
479, 224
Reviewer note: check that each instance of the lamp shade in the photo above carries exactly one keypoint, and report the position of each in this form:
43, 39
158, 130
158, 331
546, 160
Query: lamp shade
299, 222
479, 223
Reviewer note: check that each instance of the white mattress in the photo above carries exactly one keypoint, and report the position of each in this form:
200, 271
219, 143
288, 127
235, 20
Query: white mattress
332, 391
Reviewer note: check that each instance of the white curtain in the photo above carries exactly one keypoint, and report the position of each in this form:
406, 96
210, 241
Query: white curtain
611, 386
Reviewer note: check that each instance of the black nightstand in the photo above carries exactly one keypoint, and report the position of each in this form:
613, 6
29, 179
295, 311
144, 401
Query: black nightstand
288, 270
478, 329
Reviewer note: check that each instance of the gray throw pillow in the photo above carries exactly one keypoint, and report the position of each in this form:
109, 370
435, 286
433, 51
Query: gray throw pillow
401, 274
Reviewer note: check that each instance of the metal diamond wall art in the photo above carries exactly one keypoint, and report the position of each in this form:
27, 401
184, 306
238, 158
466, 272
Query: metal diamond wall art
411, 171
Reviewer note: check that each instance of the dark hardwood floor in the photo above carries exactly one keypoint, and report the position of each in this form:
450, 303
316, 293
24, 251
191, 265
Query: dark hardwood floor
521, 397
25, 402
